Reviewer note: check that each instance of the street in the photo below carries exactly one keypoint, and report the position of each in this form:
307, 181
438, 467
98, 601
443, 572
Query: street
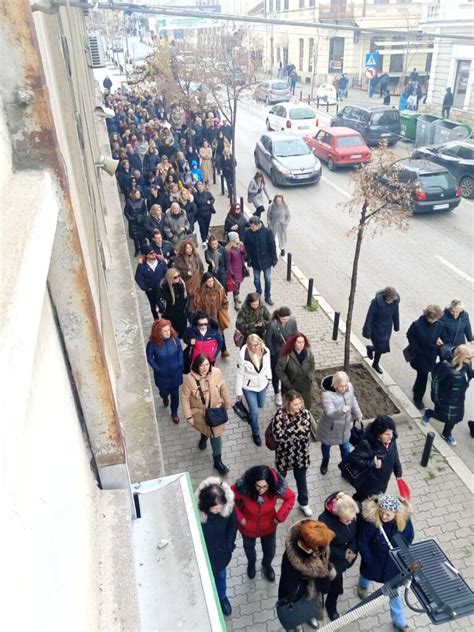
431, 263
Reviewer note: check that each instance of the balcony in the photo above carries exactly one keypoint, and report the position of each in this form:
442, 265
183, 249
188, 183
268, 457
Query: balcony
336, 11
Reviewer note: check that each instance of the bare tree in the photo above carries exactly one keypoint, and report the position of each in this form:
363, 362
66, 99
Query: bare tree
382, 199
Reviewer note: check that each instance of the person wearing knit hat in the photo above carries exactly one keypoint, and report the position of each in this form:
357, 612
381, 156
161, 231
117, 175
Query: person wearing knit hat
306, 570
383, 517
236, 270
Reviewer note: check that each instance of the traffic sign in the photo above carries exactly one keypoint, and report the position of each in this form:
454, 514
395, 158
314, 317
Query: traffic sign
370, 73
371, 60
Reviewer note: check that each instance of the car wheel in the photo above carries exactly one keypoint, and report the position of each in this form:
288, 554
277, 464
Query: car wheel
273, 178
331, 164
257, 163
467, 187
269, 127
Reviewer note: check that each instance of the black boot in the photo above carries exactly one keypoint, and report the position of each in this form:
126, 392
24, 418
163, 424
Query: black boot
251, 570
370, 352
226, 607
220, 467
202, 445
269, 572
471, 427
324, 466
376, 367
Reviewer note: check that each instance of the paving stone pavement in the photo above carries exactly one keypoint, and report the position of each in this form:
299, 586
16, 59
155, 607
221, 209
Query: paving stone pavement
442, 505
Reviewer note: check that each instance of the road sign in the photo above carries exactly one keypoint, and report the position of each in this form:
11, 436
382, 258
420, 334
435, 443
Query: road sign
370, 73
371, 60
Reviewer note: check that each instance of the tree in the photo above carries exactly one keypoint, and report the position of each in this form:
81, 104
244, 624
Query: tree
382, 199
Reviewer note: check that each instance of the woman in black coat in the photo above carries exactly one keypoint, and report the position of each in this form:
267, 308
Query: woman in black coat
340, 515
383, 314
135, 212
204, 201
425, 337
155, 220
149, 274
236, 222
457, 324
449, 384
174, 302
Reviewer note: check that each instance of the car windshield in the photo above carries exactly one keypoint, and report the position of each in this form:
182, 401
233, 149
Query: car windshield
302, 113
437, 181
279, 86
349, 141
286, 148
389, 117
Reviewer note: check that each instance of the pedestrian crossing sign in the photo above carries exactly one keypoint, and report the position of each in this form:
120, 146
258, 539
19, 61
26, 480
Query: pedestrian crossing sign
371, 60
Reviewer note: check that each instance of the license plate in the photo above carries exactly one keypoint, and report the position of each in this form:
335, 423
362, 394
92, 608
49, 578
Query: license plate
385, 134
355, 156
438, 207
304, 127
304, 175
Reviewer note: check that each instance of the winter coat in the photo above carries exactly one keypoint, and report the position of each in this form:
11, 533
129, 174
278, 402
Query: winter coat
209, 343
173, 224
297, 375
219, 530
292, 434
277, 334
176, 312
248, 376
236, 220
152, 223
257, 194
215, 393
235, 262
422, 337
192, 279
278, 220
248, 317
150, 161
303, 575
190, 209
448, 99
166, 360
157, 199
346, 535
334, 427
213, 301
376, 563
204, 204
135, 162
123, 178
166, 251
147, 278
457, 330
261, 248
379, 321
448, 391
135, 212
219, 259
205, 155
260, 516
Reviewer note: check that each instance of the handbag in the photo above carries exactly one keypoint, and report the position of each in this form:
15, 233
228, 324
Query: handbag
239, 338
294, 613
213, 416
241, 410
270, 440
313, 427
230, 284
245, 272
351, 472
408, 354
357, 434
223, 319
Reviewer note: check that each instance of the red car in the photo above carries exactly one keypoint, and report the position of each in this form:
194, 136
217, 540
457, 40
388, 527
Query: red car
339, 146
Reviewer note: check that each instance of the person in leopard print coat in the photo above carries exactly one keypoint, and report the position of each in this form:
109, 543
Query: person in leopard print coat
291, 428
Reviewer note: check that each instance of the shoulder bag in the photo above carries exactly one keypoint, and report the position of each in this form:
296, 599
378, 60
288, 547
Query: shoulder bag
353, 474
213, 416
239, 339
357, 434
408, 354
270, 440
292, 614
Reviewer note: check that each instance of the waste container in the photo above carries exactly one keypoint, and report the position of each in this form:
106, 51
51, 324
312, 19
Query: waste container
425, 129
445, 130
408, 120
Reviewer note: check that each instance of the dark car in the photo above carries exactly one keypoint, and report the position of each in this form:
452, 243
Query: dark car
374, 122
436, 189
458, 157
287, 159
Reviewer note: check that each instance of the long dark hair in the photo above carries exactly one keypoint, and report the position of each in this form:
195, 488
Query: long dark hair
289, 345
211, 496
259, 473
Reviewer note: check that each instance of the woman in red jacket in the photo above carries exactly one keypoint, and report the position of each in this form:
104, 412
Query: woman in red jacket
256, 494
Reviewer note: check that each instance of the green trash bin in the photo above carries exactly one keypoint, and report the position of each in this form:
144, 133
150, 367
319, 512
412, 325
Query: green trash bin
408, 120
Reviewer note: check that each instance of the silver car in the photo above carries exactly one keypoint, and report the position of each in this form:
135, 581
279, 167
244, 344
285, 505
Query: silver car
287, 159
272, 91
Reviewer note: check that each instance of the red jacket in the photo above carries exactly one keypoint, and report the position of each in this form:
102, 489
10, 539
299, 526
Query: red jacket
260, 517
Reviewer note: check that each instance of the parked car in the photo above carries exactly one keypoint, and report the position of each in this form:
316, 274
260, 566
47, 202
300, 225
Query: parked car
458, 158
436, 188
374, 122
338, 147
273, 91
295, 118
287, 159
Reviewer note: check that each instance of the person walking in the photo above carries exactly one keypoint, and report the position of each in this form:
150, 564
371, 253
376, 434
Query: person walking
228, 164
189, 265
448, 101
306, 569
278, 220
155, 220
202, 336
257, 493
383, 517
204, 201
342, 88
261, 254
216, 259
204, 388
235, 221
148, 276
253, 317
205, 155
340, 515
295, 367
293, 81
281, 326
425, 336
165, 356
176, 224
186, 201
215, 501
162, 247
235, 255
340, 408
291, 427
257, 192
456, 324
211, 298
174, 302
253, 376
135, 212
383, 315
449, 383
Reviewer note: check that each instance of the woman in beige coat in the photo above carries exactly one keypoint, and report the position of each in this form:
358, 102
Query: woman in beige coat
205, 154
204, 387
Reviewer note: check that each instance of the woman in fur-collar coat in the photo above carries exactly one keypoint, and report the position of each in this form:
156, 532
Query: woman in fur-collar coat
215, 501
306, 570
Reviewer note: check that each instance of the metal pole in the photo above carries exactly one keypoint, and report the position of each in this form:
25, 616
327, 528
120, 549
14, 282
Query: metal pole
301, 95
317, 102
335, 328
425, 457
309, 298
289, 258
213, 174
327, 104
222, 185
337, 108
309, 98
242, 203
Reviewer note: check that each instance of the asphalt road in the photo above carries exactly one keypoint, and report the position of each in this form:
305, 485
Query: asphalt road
431, 263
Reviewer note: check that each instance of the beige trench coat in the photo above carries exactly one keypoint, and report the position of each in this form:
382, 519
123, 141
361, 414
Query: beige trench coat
191, 400
205, 153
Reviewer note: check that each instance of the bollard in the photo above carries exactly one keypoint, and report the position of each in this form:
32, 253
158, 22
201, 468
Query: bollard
337, 108
335, 328
309, 298
213, 174
309, 99
301, 95
425, 457
317, 102
327, 105
288, 266
222, 185
242, 203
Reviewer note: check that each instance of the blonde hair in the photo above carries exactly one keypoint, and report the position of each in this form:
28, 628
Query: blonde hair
255, 356
433, 311
401, 517
456, 304
345, 506
462, 355
154, 209
170, 273
339, 377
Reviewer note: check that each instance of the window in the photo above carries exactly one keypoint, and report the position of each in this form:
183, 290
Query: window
461, 82
429, 59
296, 147
285, 5
302, 113
310, 54
437, 181
270, 6
336, 54
278, 5
349, 141
396, 63
381, 1
301, 5
466, 153
387, 117
301, 56
312, 3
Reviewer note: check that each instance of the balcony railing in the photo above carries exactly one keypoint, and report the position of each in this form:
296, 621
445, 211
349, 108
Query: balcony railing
336, 11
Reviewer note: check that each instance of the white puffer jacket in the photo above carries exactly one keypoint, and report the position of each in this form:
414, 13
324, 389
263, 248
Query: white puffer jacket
248, 377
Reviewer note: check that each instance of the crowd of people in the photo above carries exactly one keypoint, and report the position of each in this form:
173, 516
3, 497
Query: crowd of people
165, 173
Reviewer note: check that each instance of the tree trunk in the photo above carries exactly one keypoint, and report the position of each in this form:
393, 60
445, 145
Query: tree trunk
355, 268
234, 175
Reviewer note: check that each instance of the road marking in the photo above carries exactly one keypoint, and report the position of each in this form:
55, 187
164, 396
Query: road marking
335, 186
452, 267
